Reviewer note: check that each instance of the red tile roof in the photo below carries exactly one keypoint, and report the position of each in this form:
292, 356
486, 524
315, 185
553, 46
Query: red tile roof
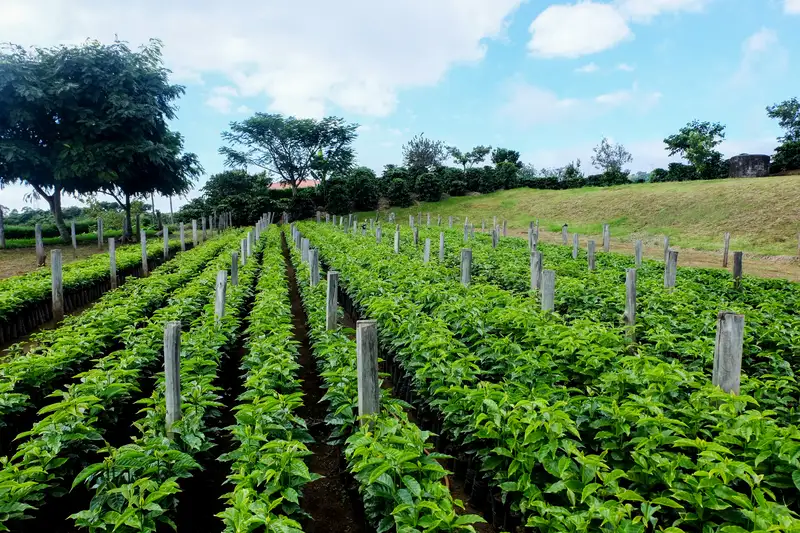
302, 185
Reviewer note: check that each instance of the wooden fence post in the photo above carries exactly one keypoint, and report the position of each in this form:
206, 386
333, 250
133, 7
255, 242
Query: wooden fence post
243, 251
100, 233
332, 300
726, 244
441, 247
505, 228
397, 240
112, 256
737, 269
166, 242
564, 234
143, 244
671, 270
536, 270
369, 392
590, 254
426, 252
304, 246
416, 235
466, 233
183, 239
466, 266
630, 302
57, 285
219, 295
138, 223
313, 257
666, 248
728, 350
548, 290
234, 269
37, 232
637, 251
439, 220
378, 233
494, 237
606, 238
574, 245
172, 371
74, 239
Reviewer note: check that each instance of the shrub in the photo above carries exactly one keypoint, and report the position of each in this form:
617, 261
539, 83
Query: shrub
338, 200
507, 175
787, 157
428, 187
472, 178
398, 193
364, 189
302, 205
659, 175
681, 172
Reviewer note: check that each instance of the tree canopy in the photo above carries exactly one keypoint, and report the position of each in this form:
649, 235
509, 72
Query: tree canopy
696, 142
470, 158
610, 157
787, 154
423, 154
292, 149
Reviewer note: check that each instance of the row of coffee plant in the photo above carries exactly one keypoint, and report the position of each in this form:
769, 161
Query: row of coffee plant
567, 422
76, 421
400, 476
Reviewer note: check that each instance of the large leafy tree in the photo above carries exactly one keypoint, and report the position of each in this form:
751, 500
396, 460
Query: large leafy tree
290, 148
611, 158
506, 155
696, 142
421, 154
787, 154
470, 158
89, 118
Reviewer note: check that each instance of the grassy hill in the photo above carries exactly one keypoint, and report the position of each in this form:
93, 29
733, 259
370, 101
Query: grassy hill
762, 214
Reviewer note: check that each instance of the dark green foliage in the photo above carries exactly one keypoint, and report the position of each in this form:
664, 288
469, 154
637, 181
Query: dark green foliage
681, 172
338, 200
696, 142
607, 179
501, 155
473, 178
659, 175
428, 187
452, 180
787, 157
303, 204
399, 193
423, 154
48, 230
364, 189
507, 175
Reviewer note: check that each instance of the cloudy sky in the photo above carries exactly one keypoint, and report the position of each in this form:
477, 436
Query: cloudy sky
549, 79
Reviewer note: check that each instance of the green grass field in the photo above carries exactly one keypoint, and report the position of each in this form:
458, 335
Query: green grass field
762, 214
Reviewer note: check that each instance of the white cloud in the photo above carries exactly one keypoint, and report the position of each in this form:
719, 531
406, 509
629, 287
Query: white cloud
244, 110
529, 104
305, 55
646, 10
588, 68
762, 55
225, 90
792, 7
578, 29
626, 67
222, 104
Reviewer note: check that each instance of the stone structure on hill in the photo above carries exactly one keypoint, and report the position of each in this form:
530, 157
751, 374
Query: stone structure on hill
748, 166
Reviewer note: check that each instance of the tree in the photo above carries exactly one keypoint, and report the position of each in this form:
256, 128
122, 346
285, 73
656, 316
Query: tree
787, 154
293, 149
696, 142
81, 119
471, 158
363, 185
504, 155
423, 154
428, 187
610, 157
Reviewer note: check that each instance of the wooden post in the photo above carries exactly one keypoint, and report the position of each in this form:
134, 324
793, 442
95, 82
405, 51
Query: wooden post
564, 234
100, 233
466, 266
439, 221
671, 269
219, 295
574, 245
166, 242
548, 290
630, 301
411, 220
332, 300
369, 392
39, 245
2, 231
416, 236
57, 285
313, 257
666, 249
494, 238
172, 371
234, 269
536, 270
737, 269
728, 350
143, 244
590, 253
505, 228
112, 256
124, 236
726, 243
203, 224
304, 245
426, 252
74, 239
441, 247
378, 234
243, 251
183, 240
397, 240
637, 250
606, 238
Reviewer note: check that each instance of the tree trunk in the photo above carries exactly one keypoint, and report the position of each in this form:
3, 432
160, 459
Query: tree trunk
128, 226
54, 201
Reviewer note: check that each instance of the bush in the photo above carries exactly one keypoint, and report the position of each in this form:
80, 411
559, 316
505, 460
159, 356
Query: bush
302, 206
507, 174
472, 179
48, 230
491, 180
364, 189
659, 175
787, 157
448, 175
681, 172
338, 200
398, 193
428, 187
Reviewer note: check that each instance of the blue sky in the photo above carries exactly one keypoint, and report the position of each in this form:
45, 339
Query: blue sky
549, 79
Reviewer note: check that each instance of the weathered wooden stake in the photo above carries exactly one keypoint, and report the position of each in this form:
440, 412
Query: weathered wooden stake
219, 295
143, 244
564, 234
166, 242
234, 269
416, 235
243, 251
172, 372
574, 245
536, 270
466, 266
630, 301
548, 290
313, 258
183, 239
429, 219
441, 247
397, 240
332, 300
100, 233
426, 252
505, 228
450, 221
194, 233
466, 233
671, 270
590, 254
112, 256
40, 259
74, 236
378, 233
728, 349
637, 251
737, 269
666, 248
606, 238
726, 244
57, 285
494, 238
369, 392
